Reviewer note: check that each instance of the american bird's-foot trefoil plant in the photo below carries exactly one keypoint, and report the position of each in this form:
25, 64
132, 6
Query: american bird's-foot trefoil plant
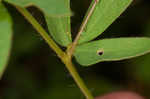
100, 15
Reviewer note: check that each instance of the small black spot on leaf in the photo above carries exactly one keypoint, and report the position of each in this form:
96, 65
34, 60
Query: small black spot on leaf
100, 52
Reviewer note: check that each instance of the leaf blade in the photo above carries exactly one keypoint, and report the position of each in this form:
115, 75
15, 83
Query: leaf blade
111, 50
49, 7
5, 37
105, 13
60, 28
57, 15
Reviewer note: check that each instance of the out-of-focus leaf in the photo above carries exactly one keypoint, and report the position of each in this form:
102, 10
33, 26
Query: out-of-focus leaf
49, 7
111, 50
60, 28
142, 64
105, 13
5, 37
142, 67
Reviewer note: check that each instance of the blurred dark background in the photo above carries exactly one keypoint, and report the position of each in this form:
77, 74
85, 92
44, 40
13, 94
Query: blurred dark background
35, 72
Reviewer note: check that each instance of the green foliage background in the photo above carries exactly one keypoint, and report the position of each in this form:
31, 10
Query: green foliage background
35, 72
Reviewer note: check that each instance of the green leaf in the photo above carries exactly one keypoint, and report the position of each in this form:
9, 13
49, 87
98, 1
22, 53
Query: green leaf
57, 14
106, 11
49, 7
5, 37
111, 50
60, 28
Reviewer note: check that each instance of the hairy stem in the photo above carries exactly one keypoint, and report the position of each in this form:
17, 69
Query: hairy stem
74, 44
62, 55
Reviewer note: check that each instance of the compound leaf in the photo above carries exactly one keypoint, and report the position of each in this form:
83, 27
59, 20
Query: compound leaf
106, 11
5, 37
111, 50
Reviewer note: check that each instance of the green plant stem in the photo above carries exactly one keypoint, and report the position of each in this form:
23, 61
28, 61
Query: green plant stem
74, 44
62, 55
78, 80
